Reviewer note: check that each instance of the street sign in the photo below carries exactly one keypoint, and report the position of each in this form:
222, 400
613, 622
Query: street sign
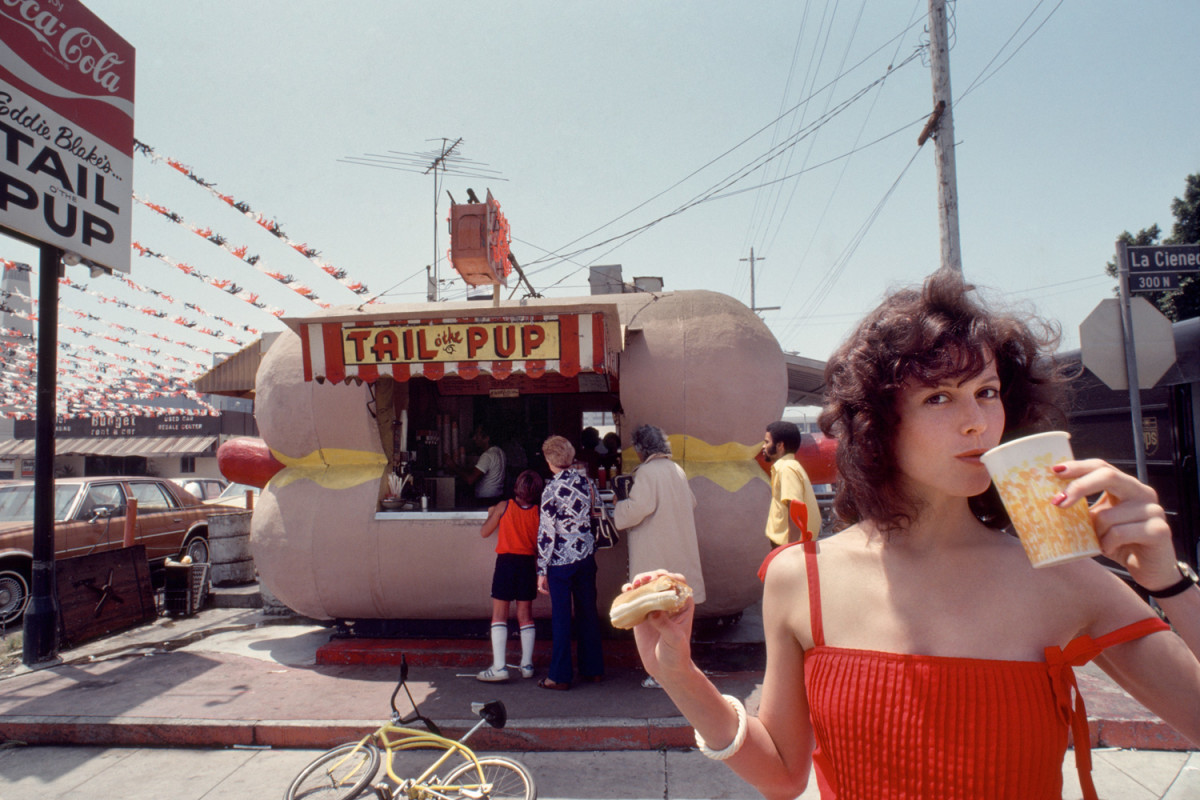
1158, 268
1102, 343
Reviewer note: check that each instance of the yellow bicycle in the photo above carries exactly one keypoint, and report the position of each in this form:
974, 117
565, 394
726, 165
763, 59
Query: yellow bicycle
346, 770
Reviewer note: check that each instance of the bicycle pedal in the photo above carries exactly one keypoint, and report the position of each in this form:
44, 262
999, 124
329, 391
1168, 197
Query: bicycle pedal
383, 791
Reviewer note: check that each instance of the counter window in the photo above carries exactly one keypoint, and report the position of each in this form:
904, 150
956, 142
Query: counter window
447, 434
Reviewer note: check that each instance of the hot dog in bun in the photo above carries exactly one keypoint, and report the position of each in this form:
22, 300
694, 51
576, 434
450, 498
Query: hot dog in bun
663, 593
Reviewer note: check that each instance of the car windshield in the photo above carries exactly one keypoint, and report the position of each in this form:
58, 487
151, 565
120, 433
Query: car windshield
16, 502
236, 490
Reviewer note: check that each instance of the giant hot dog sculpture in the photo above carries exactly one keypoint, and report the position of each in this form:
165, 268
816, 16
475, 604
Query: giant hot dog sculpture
698, 364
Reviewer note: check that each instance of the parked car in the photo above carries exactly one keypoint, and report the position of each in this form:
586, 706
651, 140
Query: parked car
234, 495
203, 488
89, 517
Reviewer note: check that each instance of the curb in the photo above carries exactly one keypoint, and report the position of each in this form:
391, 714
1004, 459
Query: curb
534, 735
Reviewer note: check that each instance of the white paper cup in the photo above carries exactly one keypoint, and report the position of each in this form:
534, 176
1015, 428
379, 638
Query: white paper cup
1021, 471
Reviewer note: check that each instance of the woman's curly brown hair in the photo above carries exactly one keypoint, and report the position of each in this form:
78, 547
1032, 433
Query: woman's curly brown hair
928, 335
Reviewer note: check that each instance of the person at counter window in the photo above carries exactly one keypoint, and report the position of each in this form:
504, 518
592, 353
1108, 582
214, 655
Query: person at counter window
611, 458
589, 450
566, 566
658, 514
515, 576
487, 476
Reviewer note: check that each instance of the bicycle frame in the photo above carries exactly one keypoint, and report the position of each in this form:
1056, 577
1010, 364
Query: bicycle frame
473, 777
394, 738
413, 739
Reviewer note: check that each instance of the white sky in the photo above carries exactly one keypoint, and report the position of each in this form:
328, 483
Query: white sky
602, 118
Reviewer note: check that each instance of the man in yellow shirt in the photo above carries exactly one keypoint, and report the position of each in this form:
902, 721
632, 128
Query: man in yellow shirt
789, 482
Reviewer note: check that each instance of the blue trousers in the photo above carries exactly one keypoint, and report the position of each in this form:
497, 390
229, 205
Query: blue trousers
573, 588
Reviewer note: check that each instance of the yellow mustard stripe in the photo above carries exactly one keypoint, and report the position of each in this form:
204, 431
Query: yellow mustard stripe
731, 465
331, 468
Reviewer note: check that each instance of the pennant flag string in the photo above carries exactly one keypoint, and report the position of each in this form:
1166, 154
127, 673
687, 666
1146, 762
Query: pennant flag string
239, 252
271, 226
79, 371
179, 319
190, 367
227, 286
106, 322
153, 312
78, 386
145, 289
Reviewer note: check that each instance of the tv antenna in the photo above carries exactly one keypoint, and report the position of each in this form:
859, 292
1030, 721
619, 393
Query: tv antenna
443, 161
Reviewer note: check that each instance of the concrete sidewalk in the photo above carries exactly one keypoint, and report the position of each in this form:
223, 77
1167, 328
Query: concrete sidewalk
234, 678
51, 773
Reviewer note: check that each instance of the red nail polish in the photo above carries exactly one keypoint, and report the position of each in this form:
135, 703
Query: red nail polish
1058, 498
1059, 468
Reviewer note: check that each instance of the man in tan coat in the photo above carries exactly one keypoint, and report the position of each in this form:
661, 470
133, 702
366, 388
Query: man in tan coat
658, 513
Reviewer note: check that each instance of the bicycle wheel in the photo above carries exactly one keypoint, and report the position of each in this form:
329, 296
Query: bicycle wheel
504, 779
338, 774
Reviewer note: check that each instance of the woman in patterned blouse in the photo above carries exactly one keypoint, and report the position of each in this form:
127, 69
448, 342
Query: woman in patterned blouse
566, 566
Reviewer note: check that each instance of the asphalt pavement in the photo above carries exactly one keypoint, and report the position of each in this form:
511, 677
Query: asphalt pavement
232, 702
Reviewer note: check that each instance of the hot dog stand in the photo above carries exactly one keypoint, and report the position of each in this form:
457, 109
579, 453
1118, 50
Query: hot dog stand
349, 396
368, 409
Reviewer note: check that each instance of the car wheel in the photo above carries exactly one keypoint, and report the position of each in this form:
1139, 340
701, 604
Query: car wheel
197, 548
14, 594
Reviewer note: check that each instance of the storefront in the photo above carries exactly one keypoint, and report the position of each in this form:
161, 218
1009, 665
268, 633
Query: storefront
433, 381
352, 396
170, 445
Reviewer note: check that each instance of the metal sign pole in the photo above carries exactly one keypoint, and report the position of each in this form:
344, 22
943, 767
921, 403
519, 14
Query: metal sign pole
40, 641
1135, 392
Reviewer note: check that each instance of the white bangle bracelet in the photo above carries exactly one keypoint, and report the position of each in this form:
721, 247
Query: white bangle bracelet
739, 738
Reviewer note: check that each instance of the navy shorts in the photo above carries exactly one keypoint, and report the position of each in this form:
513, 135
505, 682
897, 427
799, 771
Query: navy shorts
515, 577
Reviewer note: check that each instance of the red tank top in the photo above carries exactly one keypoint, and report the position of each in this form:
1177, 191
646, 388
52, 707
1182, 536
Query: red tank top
518, 530
890, 725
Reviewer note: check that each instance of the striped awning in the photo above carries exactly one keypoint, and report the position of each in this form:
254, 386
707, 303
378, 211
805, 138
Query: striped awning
467, 346
146, 446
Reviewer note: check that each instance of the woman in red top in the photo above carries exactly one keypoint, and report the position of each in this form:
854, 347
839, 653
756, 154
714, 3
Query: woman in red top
916, 653
515, 577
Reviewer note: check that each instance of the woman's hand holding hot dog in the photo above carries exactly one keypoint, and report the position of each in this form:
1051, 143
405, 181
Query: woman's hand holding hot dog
664, 641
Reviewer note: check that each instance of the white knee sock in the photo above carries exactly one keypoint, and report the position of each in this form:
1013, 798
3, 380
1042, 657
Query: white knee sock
499, 640
528, 634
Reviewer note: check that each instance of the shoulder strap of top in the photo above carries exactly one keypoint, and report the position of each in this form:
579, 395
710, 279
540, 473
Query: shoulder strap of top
814, 594
814, 585
1128, 633
1078, 652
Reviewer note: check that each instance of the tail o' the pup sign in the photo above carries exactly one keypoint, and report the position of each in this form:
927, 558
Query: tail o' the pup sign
66, 129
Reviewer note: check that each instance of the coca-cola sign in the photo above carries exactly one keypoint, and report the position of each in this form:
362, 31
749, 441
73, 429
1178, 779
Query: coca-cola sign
66, 129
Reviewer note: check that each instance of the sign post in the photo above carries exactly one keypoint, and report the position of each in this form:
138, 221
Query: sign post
1135, 391
40, 638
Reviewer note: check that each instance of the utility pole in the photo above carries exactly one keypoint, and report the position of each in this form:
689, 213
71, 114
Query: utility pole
941, 127
754, 307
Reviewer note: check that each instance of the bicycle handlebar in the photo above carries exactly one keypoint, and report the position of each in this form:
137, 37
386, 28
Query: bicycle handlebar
494, 712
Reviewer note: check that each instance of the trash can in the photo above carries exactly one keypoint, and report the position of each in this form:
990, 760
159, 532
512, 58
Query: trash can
185, 588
